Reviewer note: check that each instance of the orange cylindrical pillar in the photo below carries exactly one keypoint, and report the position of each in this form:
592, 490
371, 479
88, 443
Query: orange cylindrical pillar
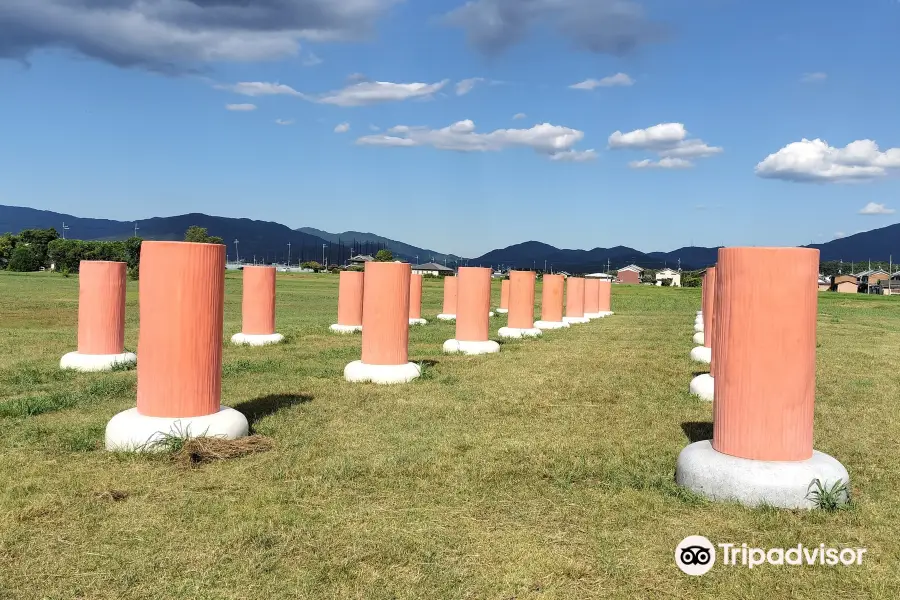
591, 298
605, 295
385, 330
552, 299
709, 311
101, 307
473, 303
350, 302
703, 384
575, 301
766, 366
258, 301
448, 313
101, 318
182, 292
504, 296
415, 300
521, 306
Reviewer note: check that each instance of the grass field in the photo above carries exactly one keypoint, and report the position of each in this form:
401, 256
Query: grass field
543, 472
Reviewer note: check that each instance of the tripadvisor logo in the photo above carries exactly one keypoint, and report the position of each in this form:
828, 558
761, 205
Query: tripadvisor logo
696, 555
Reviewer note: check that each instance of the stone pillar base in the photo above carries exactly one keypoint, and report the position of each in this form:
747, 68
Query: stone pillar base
551, 325
95, 362
360, 372
248, 339
471, 348
703, 386
576, 320
418, 322
783, 484
698, 337
502, 311
445, 317
516, 332
702, 354
336, 328
130, 431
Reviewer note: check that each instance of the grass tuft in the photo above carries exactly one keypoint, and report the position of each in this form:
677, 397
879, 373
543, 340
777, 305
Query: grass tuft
833, 498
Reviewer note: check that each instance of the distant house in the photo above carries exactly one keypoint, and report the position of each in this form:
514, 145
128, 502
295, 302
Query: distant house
669, 274
824, 283
846, 284
563, 273
871, 278
629, 274
889, 287
431, 269
359, 260
600, 276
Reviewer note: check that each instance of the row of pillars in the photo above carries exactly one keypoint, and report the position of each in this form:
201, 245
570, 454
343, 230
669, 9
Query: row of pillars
760, 343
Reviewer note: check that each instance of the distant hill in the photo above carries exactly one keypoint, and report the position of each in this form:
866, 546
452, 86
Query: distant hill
877, 244
534, 254
362, 239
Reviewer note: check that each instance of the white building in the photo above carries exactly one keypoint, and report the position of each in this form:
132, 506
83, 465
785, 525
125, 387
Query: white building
431, 269
665, 274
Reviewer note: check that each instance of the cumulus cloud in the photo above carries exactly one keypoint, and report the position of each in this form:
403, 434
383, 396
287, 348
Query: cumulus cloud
614, 27
816, 161
554, 141
617, 80
814, 77
240, 107
518, 116
284, 121
669, 140
342, 128
180, 35
355, 94
467, 85
663, 163
873, 208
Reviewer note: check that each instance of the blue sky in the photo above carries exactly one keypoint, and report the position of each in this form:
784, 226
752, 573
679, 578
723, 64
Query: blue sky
118, 109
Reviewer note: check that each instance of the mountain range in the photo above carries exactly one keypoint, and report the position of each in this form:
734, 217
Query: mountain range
267, 241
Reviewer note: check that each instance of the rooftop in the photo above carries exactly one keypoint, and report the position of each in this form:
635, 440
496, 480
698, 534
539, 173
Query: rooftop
431, 267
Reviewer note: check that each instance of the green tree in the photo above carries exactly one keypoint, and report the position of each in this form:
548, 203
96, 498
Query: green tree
199, 235
39, 239
312, 264
24, 258
7, 245
384, 255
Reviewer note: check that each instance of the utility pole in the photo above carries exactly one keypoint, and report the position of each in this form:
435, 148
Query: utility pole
289, 254
135, 229
237, 256
324, 264
65, 228
545, 265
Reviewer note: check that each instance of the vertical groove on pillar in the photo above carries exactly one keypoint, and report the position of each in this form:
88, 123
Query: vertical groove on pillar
182, 294
473, 304
350, 298
521, 300
258, 301
766, 359
575, 297
101, 307
385, 333
552, 298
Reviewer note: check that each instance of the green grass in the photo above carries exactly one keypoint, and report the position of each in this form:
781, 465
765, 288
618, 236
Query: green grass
543, 472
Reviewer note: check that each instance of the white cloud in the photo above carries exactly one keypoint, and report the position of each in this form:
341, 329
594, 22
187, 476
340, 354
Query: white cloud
261, 88
342, 128
816, 161
873, 208
375, 92
374, 128
669, 140
814, 77
617, 80
554, 141
312, 60
284, 121
518, 116
180, 36
467, 85
356, 94
240, 107
663, 163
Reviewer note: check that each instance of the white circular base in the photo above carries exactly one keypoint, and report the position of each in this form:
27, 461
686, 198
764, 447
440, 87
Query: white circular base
444, 317
701, 354
491, 314
703, 386
605, 313
698, 322
516, 332
345, 328
783, 484
95, 362
576, 320
502, 311
359, 372
418, 322
551, 325
698, 337
130, 431
592, 316
471, 348
248, 339
699, 313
